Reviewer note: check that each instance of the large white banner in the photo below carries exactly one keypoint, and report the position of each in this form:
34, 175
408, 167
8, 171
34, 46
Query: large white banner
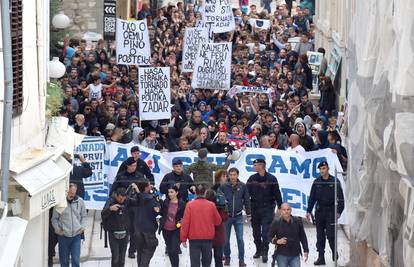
295, 172
218, 15
132, 42
213, 66
193, 37
96, 186
154, 93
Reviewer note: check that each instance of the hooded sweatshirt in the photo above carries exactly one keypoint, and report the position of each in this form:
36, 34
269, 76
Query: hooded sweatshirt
305, 140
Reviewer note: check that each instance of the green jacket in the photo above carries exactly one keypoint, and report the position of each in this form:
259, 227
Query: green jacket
203, 171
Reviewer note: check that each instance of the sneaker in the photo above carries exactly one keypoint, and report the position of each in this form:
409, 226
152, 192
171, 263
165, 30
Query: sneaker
320, 261
242, 264
264, 258
257, 254
226, 262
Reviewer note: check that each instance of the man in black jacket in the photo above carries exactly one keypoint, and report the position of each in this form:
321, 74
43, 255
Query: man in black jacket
264, 194
80, 172
145, 223
287, 233
323, 194
237, 198
184, 182
221, 146
116, 221
305, 140
142, 169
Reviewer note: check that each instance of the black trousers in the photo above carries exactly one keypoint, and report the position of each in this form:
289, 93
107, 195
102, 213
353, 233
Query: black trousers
146, 244
262, 218
325, 228
132, 248
118, 250
218, 256
172, 241
200, 249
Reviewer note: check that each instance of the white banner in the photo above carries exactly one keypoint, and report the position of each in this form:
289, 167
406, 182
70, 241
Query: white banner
132, 42
248, 89
219, 15
193, 37
154, 93
295, 172
212, 69
96, 186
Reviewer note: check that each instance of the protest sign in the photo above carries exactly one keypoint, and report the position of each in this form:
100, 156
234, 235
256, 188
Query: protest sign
295, 172
219, 15
193, 37
96, 186
154, 93
248, 89
212, 69
132, 42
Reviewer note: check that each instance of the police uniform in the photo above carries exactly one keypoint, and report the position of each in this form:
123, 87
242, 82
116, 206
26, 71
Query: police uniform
323, 194
264, 195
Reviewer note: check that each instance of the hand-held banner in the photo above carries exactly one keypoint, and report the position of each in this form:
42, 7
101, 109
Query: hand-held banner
132, 42
213, 66
219, 15
193, 37
154, 93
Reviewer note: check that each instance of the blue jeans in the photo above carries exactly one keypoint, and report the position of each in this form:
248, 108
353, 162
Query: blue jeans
69, 247
288, 261
237, 222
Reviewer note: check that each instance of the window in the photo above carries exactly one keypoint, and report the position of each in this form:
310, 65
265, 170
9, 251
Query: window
16, 25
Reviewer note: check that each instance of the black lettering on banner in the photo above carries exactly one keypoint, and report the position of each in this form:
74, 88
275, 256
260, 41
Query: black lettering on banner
154, 84
212, 70
132, 46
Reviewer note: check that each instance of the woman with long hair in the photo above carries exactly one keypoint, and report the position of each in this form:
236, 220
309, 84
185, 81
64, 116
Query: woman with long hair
172, 211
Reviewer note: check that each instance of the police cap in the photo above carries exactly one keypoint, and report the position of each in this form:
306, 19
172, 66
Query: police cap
323, 164
177, 162
130, 161
259, 161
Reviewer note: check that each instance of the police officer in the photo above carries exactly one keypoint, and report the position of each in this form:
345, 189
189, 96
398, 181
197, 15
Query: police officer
125, 179
177, 178
142, 169
264, 191
202, 170
323, 194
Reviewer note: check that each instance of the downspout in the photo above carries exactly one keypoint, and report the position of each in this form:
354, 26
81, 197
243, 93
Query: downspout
8, 99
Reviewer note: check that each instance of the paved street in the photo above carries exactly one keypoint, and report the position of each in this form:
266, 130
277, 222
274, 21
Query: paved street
100, 256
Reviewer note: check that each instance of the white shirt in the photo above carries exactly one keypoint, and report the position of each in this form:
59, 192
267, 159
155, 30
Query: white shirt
298, 149
95, 91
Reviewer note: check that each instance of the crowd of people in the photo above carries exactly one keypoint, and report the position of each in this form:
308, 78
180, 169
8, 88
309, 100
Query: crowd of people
100, 99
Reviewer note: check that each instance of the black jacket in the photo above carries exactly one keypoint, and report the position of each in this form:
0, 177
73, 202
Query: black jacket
264, 190
124, 179
142, 170
217, 148
172, 178
323, 194
294, 233
164, 212
145, 218
77, 175
306, 142
115, 220
237, 197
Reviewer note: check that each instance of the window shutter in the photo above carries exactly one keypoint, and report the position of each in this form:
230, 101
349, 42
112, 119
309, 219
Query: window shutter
16, 25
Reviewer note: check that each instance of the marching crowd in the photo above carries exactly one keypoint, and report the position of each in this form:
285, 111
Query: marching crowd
100, 99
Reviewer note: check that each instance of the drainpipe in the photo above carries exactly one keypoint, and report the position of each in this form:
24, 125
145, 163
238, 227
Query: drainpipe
8, 99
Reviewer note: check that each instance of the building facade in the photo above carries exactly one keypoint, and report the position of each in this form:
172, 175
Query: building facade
38, 173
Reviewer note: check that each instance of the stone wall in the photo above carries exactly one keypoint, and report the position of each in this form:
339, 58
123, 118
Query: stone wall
86, 16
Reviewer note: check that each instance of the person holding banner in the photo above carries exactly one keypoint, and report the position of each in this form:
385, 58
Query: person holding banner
80, 172
264, 192
323, 194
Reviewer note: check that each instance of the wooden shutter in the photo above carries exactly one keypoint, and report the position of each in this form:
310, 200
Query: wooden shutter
16, 23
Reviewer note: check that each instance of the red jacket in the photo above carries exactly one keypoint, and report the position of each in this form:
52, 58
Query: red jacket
199, 221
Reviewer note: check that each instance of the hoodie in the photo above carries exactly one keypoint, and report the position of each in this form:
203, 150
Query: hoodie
305, 140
